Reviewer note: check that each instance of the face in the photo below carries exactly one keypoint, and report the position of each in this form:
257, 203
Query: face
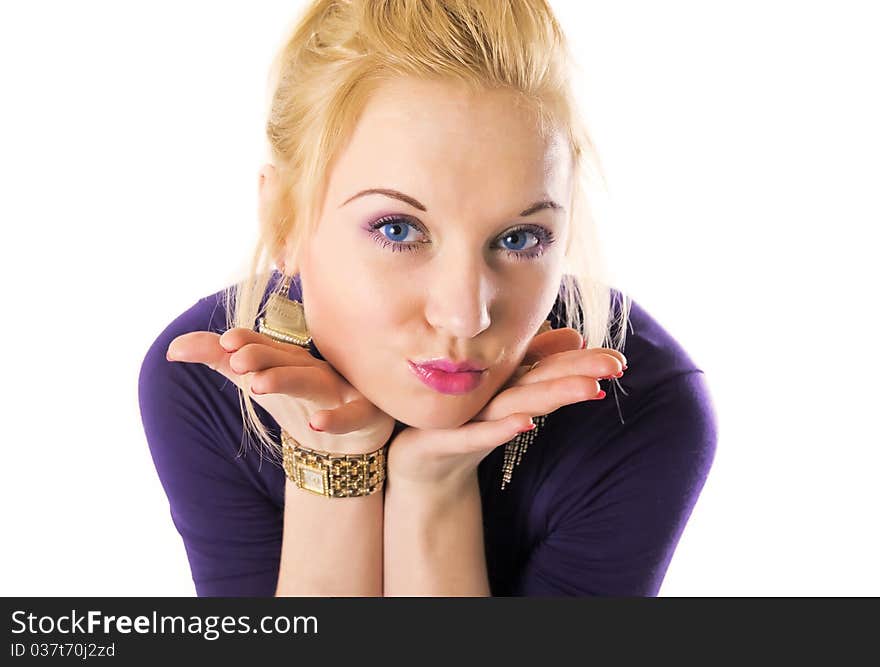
458, 258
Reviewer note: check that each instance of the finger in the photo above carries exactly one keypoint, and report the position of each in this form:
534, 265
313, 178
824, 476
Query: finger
253, 357
541, 398
552, 342
237, 337
203, 347
615, 353
200, 347
351, 416
308, 382
562, 340
593, 363
484, 436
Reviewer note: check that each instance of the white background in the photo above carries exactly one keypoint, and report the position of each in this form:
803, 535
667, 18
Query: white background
741, 145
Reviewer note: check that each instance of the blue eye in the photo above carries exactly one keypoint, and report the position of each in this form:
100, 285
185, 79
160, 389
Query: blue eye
519, 237
397, 230
393, 231
396, 233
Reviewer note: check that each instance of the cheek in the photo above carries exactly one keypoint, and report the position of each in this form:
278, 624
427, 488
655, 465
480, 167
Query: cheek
354, 318
335, 288
518, 323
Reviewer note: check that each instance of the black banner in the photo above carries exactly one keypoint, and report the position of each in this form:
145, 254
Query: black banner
337, 630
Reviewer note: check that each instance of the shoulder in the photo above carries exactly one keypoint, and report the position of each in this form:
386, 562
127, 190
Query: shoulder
182, 403
177, 399
657, 365
227, 507
192, 415
653, 353
614, 481
173, 392
662, 382
659, 415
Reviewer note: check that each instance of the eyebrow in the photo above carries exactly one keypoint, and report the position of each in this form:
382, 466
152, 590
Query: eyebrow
415, 203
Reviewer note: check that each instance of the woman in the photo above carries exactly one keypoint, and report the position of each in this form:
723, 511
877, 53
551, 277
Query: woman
425, 205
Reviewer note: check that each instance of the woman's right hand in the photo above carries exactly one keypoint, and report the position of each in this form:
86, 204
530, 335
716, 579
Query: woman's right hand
294, 387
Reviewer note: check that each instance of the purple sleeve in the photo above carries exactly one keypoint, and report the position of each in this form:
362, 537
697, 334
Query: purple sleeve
231, 529
617, 537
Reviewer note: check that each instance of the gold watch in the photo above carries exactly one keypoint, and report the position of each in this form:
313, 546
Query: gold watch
333, 475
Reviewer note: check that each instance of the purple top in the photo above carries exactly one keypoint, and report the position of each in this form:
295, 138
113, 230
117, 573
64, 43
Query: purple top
596, 506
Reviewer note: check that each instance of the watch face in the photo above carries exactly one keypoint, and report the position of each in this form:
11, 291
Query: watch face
312, 479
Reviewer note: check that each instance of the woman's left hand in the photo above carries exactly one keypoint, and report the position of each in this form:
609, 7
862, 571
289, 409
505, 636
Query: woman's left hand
564, 374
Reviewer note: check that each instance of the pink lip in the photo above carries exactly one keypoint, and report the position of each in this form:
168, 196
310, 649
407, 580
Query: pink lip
460, 382
449, 366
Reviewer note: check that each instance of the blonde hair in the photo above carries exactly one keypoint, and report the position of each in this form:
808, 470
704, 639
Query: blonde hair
340, 51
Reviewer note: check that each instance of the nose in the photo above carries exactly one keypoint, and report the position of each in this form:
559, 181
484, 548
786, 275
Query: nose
459, 297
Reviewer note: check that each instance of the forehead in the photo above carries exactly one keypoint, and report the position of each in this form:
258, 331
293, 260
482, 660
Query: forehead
440, 140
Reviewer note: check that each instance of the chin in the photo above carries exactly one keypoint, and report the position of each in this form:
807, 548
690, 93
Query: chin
422, 417
432, 422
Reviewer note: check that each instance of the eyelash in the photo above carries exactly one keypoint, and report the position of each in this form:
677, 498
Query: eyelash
545, 237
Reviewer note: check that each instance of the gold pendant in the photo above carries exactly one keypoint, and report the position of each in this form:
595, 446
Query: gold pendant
285, 319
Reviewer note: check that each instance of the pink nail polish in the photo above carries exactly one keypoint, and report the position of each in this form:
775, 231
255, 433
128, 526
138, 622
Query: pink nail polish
315, 429
600, 395
620, 374
527, 428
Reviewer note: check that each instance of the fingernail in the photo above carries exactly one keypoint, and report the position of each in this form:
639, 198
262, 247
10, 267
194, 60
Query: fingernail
620, 374
600, 395
583, 343
315, 429
169, 356
224, 343
528, 428
624, 367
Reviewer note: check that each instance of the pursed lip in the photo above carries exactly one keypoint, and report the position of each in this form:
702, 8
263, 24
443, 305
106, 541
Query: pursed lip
449, 366
455, 382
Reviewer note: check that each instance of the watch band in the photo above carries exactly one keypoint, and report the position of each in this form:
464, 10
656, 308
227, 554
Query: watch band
333, 475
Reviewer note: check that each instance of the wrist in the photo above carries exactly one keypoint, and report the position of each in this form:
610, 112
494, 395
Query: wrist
340, 444
426, 508
414, 462
333, 475
435, 493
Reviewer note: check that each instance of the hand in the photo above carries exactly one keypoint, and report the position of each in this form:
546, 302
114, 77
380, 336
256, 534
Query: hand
565, 374
294, 387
